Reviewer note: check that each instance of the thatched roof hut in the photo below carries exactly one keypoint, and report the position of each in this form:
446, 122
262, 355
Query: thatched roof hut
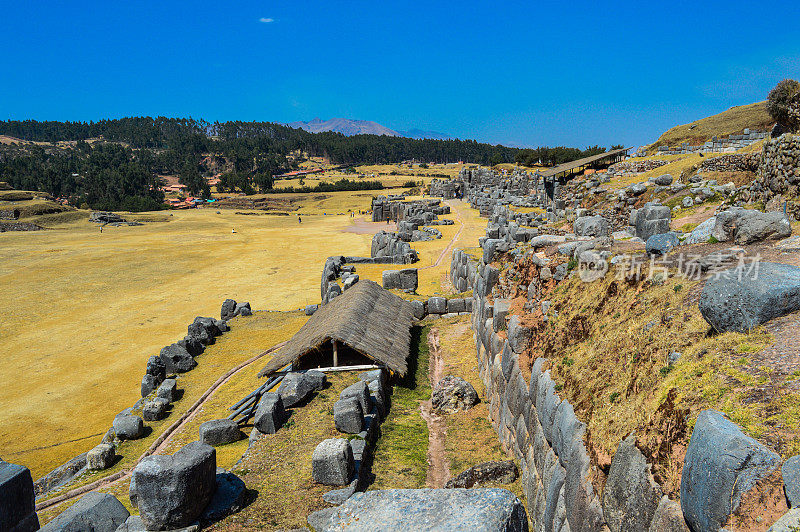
367, 321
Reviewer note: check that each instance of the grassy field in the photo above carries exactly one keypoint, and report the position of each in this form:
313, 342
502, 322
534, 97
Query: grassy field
83, 310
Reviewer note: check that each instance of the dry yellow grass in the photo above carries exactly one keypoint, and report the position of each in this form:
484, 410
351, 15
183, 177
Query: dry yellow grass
82, 310
734, 120
247, 338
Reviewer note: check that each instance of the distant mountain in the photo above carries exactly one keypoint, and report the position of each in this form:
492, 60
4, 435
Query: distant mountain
422, 134
350, 127
345, 126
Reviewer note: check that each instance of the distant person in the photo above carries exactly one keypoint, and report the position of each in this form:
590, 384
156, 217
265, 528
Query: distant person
233, 230
299, 220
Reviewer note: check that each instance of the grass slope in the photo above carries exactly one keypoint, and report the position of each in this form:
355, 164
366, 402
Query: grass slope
734, 120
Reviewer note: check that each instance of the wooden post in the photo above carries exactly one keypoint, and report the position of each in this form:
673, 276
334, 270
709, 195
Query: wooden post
335, 354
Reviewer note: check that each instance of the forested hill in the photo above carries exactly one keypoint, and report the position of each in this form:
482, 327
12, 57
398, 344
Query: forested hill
119, 172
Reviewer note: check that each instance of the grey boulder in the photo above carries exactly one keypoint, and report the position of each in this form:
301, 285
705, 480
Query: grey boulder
270, 414
591, 226
452, 394
791, 480
332, 463
348, 415
128, 427
101, 456
631, 496
95, 511
789, 522
296, 388
740, 299
219, 432
504, 472
721, 465
745, 226
177, 359
661, 244
228, 309
172, 491
476, 510
17, 499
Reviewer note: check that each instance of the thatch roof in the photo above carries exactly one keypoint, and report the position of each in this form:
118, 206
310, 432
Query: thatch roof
366, 317
566, 167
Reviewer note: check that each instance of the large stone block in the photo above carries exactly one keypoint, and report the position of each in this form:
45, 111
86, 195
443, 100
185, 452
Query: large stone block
172, 491
739, 299
177, 359
452, 394
94, 511
745, 226
721, 465
168, 390
668, 517
101, 456
270, 414
359, 391
437, 305
296, 388
519, 336
631, 496
219, 432
790, 471
591, 226
348, 415
477, 509
332, 463
17, 499
128, 427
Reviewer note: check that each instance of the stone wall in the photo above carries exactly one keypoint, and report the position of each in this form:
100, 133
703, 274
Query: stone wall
778, 176
730, 143
734, 162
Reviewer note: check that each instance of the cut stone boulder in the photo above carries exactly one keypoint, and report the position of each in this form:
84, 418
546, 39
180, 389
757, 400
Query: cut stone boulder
270, 414
155, 409
348, 415
177, 359
791, 480
745, 226
219, 432
360, 392
243, 309
101, 457
661, 244
332, 463
94, 511
503, 472
722, 464
591, 226
437, 305
519, 336
452, 394
631, 496
128, 427
228, 309
172, 491
652, 219
168, 390
480, 509
229, 497
297, 387
156, 368
668, 517
17, 499
740, 299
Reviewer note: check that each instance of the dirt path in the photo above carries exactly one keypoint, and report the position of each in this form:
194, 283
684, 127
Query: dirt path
363, 226
438, 466
446, 250
160, 443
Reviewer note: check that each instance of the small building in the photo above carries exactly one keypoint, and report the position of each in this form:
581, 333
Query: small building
366, 324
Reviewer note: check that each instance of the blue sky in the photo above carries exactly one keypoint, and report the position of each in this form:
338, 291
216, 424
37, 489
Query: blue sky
527, 73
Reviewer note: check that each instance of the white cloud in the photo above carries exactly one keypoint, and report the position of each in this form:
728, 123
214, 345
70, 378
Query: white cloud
266, 20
